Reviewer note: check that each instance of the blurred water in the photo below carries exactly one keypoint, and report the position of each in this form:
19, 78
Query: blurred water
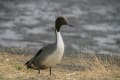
30, 24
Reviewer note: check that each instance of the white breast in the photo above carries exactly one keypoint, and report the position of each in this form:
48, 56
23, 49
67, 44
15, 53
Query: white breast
57, 54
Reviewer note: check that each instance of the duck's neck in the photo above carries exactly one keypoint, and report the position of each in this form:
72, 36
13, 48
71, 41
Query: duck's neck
59, 40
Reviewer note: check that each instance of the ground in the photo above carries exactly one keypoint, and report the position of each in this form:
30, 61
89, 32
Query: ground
84, 67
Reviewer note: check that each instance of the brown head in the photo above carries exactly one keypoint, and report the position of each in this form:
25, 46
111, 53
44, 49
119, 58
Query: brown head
60, 21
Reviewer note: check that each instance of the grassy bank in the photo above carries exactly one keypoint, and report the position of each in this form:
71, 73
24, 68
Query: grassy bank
85, 67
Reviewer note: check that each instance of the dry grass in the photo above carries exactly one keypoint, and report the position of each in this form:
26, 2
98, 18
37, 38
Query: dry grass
83, 68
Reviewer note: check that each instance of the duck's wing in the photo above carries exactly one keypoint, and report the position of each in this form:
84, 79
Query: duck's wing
45, 51
38, 53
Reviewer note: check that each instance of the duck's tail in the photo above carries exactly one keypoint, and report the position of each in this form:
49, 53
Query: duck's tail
28, 64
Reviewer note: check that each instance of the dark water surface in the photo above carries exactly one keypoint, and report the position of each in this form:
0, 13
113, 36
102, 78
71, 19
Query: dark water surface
30, 24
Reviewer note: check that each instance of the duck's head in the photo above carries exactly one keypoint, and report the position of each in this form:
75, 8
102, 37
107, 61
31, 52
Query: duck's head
60, 21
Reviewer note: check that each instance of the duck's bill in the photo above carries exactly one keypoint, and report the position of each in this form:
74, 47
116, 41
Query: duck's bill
70, 25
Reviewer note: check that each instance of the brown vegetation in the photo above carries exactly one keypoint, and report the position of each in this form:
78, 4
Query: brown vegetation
84, 67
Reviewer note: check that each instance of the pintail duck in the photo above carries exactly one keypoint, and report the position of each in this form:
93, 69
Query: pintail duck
52, 54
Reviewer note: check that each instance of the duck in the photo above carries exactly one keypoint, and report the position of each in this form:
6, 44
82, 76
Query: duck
52, 54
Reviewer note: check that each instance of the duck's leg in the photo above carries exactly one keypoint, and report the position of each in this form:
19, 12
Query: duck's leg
39, 71
50, 70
